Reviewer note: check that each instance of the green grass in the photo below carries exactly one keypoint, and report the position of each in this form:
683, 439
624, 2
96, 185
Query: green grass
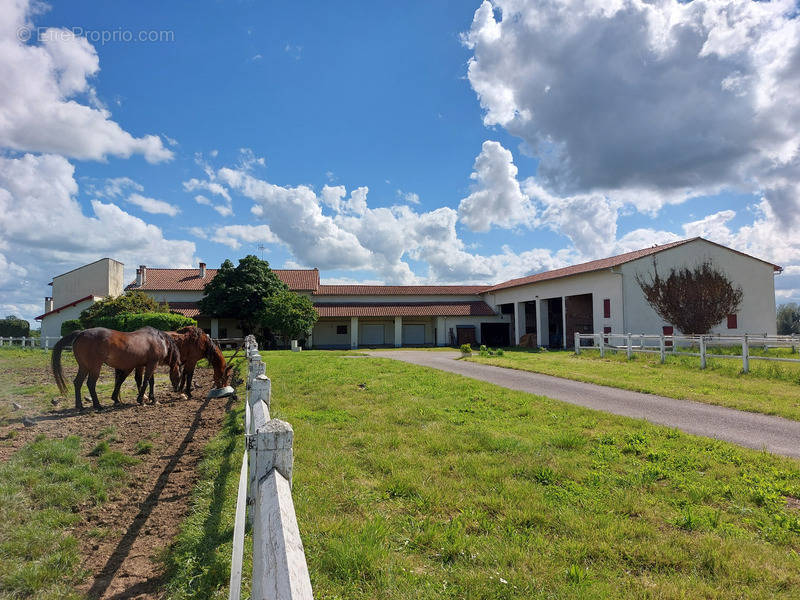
43, 488
424, 484
770, 388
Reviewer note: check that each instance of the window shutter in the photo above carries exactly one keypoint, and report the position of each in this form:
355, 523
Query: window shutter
607, 308
668, 330
733, 322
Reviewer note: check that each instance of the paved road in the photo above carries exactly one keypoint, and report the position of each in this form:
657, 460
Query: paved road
776, 434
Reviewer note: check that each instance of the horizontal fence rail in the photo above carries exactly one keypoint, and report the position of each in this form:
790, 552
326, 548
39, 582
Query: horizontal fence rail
30, 342
280, 571
684, 345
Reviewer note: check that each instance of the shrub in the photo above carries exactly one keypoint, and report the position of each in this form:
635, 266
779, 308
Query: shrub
132, 322
13, 326
131, 302
71, 325
466, 349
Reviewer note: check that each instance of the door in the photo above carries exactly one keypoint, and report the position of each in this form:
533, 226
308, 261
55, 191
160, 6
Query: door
372, 335
494, 334
466, 335
413, 335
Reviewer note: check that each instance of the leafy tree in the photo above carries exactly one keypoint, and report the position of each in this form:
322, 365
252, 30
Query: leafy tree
289, 314
789, 318
241, 292
71, 325
133, 301
693, 299
13, 326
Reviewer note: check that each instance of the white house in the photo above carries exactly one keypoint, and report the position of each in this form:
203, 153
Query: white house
593, 297
78, 289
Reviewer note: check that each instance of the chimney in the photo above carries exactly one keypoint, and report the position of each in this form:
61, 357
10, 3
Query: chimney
202, 270
143, 270
48, 304
138, 278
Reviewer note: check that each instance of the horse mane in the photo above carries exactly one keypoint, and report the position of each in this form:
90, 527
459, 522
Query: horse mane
173, 352
213, 354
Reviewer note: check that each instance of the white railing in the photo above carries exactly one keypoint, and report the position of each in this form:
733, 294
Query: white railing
674, 344
265, 481
30, 342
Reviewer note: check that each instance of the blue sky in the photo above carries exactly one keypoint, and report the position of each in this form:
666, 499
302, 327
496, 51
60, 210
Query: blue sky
494, 140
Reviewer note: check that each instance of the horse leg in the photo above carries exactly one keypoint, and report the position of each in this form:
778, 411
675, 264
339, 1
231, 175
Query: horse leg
91, 383
120, 375
189, 375
78, 381
152, 394
138, 375
148, 373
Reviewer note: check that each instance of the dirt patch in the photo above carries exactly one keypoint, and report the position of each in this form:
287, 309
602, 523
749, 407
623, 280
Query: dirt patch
792, 503
122, 539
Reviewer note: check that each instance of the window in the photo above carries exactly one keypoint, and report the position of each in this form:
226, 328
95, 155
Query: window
607, 308
341, 330
606, 329
733, 322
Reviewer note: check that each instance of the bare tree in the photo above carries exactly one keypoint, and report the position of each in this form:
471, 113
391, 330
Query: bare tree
692, 299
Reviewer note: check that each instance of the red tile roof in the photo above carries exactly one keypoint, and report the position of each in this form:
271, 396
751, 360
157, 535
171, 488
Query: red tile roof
399, 290
587, 267
404, 309
298, 280
60, 308
187, 309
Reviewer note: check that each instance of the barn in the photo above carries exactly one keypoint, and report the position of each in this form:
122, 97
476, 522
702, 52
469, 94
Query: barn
592, 297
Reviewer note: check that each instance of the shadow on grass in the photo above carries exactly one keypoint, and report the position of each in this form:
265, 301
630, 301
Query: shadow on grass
198, 564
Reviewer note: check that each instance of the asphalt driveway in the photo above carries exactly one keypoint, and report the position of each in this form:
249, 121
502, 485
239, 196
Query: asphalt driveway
775, 434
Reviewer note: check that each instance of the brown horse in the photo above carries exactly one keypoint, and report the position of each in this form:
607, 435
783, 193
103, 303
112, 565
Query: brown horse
195, 344
124, 352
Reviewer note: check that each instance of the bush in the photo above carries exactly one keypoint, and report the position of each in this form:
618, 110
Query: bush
13, 326
131, 302
71, 325
466, 349
132, 322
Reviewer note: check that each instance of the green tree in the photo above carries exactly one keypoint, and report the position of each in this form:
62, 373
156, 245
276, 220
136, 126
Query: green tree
693, 299
241, 292
13, 326
290, 315
133, 301
789, 318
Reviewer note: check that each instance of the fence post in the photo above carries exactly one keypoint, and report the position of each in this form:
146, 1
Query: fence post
794, 344
702, 352
602, 346
662, 349
745, 355
279, 565
577, 343
628, 348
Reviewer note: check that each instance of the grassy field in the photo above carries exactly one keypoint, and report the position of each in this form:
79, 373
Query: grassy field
413, 483
42, 488
770, 388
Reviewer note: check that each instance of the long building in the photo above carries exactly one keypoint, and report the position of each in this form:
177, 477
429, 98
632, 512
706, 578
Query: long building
593, 297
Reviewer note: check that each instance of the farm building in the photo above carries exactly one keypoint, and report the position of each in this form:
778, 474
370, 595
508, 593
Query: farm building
593, 297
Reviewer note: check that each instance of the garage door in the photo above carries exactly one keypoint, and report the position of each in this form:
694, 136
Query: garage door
413, 335
372, 335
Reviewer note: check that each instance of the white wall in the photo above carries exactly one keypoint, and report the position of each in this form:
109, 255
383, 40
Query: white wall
601, 284
389, 299
756, 278
51, 324
100, 278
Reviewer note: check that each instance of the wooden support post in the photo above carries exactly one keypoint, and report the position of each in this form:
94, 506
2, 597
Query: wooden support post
577, 343
628, 349
745, 355
279, 564
702, 352
662, 349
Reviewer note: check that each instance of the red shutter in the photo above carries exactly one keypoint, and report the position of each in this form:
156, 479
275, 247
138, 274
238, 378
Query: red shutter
607, 308
732, 322
667, 330
606, 330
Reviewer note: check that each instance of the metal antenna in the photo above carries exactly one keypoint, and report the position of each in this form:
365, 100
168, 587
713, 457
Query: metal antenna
262, 247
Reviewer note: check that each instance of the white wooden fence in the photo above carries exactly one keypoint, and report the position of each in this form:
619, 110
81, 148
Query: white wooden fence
677, 345
265, 480
30, 342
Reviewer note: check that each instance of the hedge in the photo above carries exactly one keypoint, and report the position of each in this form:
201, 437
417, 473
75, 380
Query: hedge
133, 321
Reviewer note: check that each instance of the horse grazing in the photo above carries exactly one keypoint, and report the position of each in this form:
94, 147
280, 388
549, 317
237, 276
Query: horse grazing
194, 344
124, 352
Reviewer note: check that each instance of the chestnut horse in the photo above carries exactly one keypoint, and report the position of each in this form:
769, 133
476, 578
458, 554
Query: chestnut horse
195, 344
124, 352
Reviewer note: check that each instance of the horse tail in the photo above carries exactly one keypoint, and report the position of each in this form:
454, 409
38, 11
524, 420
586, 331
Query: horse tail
55, 359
